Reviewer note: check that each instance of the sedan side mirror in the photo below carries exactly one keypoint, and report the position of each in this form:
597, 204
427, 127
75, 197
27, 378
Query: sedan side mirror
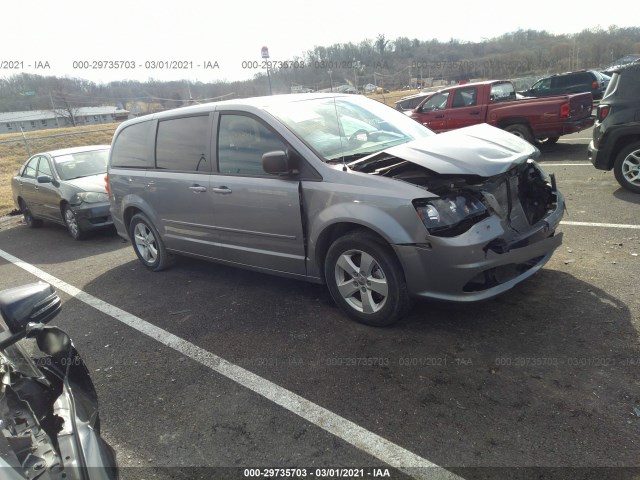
279, 162
45, 179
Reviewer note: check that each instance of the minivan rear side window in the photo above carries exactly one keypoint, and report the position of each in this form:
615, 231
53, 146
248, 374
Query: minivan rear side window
130, 147
182, 144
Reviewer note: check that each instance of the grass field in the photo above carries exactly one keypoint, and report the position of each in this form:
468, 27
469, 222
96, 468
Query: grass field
392, 97
13, 152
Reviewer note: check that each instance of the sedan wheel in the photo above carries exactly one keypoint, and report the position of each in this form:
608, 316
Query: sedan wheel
72, 224
627, 168
29, 219
147, 244
365, 280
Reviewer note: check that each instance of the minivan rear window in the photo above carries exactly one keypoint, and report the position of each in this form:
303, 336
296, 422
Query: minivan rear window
130, 147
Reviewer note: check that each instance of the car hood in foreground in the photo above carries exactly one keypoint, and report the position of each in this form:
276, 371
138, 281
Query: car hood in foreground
93, 183
478, 150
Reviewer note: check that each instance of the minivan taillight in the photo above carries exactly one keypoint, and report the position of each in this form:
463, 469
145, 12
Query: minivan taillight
565, 109
603, 111
106, 184
594, 85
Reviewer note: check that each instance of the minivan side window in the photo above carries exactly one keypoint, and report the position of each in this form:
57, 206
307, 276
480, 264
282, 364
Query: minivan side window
182, 144
130, 147
242, 140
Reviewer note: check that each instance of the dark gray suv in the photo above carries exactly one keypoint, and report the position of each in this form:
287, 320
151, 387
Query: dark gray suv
572, 82
336, 189
616, 134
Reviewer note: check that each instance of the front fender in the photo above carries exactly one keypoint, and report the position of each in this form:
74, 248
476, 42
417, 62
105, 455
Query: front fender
397, 224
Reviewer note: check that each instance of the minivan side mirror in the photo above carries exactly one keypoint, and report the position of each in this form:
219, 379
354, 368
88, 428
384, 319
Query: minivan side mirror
279, 162
45, 179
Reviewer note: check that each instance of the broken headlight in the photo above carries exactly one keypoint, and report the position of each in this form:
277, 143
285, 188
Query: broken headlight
450, 215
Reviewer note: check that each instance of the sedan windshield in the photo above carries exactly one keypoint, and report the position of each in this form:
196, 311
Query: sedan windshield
347, 127
82, 164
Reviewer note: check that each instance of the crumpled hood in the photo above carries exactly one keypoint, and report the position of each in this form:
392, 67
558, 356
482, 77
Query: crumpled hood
477, 150
93, 183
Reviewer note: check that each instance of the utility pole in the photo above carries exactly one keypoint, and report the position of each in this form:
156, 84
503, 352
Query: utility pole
265, 55
55, 114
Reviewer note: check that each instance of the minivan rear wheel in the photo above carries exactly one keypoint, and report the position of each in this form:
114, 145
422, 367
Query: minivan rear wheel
627, 168
147, 244
365, 280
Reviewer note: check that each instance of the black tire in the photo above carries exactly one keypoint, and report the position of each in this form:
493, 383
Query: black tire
147, 244
73, 227
549, 140
627, 165
378, 310
520, 130
29, 219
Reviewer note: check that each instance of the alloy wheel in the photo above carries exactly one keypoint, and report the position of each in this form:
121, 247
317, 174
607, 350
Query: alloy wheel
631, 168
146, 243
361, 281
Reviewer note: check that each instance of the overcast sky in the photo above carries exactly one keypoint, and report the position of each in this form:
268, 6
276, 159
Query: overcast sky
231, 32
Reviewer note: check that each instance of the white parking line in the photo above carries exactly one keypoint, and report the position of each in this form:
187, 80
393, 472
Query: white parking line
574, 138
566, 164
359, 437
609, 225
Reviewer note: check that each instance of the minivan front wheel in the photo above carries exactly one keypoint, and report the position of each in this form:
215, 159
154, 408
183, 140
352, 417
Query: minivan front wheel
147, 244
627, 168
366, 280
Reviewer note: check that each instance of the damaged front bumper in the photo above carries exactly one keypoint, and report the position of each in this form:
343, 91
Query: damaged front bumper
92, 216
481, 263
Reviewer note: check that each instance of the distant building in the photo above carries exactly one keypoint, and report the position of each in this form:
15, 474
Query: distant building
30, 120
301, 89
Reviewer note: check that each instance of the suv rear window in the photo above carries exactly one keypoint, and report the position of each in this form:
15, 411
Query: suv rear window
629, 83
130, 146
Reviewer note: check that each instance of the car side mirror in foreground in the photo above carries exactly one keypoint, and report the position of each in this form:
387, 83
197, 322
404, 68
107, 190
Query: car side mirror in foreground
279, 162
51, 340
33, 303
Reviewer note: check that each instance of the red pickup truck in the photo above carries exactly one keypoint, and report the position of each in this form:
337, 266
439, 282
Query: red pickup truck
494, 102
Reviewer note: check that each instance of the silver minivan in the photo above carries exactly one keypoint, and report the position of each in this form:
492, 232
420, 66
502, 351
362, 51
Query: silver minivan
336, 189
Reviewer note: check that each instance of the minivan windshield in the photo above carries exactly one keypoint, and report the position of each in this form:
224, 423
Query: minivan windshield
339, 128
